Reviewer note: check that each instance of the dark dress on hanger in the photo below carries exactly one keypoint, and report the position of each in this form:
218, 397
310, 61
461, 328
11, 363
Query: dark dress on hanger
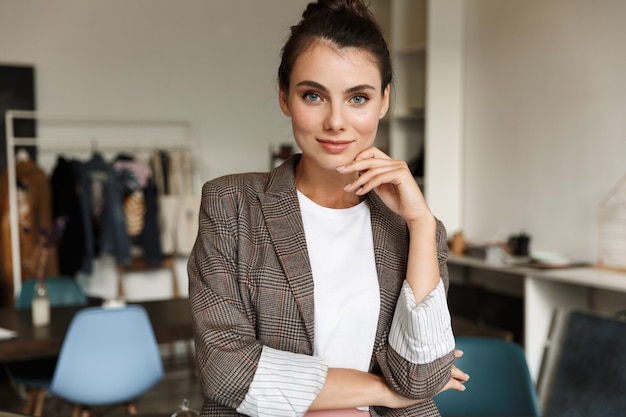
65, 181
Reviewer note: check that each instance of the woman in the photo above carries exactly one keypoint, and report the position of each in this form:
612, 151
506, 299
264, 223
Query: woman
321, 285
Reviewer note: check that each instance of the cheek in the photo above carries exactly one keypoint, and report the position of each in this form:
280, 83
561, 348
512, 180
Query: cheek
367, 124
304, 120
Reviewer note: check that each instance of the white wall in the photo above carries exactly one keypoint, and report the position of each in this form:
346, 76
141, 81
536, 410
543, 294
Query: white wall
444, 112
545, 119
212, 62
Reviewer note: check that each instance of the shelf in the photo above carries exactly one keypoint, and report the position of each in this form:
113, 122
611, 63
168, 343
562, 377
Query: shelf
419, 48
408, 23
404, 24
412, 115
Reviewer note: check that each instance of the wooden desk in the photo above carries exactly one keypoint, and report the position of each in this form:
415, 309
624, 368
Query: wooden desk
171, 321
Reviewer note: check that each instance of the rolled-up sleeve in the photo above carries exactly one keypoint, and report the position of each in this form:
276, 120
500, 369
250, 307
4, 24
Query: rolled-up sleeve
285, 384
422, 333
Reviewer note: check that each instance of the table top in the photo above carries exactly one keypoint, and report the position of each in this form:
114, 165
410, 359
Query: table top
588, 276
171, 321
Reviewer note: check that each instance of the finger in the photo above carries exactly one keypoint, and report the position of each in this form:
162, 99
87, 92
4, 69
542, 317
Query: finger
458, 353
371, 179
459, 374
367, 169
454, 384
371, 153
392, 174
365, 164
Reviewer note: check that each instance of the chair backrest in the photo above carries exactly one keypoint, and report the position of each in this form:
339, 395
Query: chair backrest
62, 291
590, 375
499, 384
109, 356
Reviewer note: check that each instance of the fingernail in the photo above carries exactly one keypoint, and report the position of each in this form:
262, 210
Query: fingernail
339, 168
347, 187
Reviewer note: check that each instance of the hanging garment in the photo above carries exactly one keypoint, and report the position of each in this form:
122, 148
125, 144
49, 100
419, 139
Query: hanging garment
105, 226
66, 209
6, 270
139, 196
35, 226
133, 178
167, 203
187, 224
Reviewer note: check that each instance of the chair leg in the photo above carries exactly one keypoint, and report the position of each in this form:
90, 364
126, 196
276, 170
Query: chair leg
131, 409
120, 282
170, 262
30, 401
41, 398
191, 356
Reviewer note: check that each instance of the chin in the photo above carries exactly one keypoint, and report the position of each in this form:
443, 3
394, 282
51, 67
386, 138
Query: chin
341, 159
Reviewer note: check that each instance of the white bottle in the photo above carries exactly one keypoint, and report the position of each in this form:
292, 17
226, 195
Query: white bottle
41, 306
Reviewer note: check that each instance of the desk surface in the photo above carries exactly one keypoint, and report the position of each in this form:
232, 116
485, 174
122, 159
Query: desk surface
171, 321
581, 276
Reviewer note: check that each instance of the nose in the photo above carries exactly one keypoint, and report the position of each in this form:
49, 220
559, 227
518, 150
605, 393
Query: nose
335, 118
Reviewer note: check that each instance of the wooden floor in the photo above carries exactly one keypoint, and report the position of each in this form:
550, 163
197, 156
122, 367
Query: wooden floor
180, 382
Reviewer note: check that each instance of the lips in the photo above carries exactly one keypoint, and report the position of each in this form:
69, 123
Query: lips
334, 146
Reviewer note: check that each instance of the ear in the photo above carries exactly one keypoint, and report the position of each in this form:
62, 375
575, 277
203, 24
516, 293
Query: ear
385, 103
282, 102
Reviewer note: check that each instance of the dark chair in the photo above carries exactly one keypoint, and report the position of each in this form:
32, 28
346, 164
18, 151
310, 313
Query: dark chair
499, 384
590, 374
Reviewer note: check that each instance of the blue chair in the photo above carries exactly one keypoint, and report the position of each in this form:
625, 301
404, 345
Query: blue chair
35, 374
109, 357
499, 385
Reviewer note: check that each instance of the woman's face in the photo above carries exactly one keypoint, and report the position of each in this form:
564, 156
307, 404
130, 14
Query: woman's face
335, 103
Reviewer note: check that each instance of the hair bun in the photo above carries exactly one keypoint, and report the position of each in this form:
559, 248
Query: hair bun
358, 7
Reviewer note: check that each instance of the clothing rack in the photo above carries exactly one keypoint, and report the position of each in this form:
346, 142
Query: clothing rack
184, 127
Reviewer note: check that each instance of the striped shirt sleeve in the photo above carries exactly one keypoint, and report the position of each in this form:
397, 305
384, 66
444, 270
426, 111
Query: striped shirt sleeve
422, 333
285, 384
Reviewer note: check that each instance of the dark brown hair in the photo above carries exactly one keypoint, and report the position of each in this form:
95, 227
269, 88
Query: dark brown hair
343, 23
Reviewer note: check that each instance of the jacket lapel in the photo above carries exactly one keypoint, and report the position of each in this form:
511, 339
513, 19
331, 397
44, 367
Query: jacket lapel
281, 210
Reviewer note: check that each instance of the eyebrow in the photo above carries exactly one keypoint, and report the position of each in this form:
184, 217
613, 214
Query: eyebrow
319, 86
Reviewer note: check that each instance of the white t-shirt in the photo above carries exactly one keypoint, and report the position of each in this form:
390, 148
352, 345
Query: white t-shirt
347, 295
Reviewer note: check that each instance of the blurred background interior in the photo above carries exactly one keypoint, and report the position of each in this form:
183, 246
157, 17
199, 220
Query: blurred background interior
510, 114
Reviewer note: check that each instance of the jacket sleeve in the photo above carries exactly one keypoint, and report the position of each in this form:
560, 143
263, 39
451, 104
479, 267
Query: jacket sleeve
419, 355
234, 367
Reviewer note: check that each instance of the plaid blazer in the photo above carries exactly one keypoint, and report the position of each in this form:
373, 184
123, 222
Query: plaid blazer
250, 284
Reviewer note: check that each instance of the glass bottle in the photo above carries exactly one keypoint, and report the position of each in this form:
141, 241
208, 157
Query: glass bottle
41, 305
185, 411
